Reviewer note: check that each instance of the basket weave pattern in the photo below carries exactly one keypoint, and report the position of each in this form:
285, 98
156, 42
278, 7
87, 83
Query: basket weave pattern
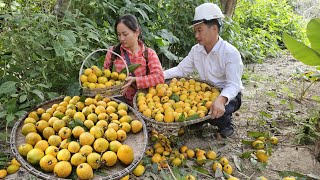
138, 142
113, 91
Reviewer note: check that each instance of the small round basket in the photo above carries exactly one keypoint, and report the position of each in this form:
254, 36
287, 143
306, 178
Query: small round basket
113, 91
172, 125
137, 141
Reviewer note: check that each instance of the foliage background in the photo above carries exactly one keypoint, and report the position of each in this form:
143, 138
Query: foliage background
41, 54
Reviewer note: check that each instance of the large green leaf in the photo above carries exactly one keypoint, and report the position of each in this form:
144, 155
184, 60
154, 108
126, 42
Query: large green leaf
301, 52
9, 86
313, 34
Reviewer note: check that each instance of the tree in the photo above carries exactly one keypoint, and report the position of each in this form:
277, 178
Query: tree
228, 6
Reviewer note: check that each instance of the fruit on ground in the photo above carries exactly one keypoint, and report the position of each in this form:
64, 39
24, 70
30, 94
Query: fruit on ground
216, 165
262, 155
274, 140
228, 169
233, 178
176, 162
3, 173
34, 156
258, 144
48, 162
12, 169
190, 177
139, 170
190, 153
223, 161
62, 169
125, 154
84, 171
109, 158
211, 155
289, 178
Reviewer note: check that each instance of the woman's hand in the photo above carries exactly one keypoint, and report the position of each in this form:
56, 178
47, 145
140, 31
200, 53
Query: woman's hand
129, 81
218, 107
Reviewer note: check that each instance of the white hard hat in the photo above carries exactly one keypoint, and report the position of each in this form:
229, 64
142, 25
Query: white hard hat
206, 11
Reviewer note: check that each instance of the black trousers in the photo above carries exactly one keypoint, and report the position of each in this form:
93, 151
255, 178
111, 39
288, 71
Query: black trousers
226, 119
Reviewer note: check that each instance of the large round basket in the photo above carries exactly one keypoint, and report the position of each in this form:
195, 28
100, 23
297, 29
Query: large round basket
112, 91
172, 125
137, 141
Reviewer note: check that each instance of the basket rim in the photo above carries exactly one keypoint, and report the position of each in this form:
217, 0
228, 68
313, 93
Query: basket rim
175, 124
43, 175
101, 50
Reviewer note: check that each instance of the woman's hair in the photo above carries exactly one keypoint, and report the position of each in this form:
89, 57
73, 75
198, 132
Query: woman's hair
130, 21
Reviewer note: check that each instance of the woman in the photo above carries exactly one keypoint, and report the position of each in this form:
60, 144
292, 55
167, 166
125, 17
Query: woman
132, 49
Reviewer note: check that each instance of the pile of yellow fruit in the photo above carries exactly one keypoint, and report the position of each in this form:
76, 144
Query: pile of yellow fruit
94, 77
179, 100
13, 167
259, 145
83, 134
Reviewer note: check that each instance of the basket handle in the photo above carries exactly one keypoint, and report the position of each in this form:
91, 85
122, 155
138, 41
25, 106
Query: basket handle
99, 50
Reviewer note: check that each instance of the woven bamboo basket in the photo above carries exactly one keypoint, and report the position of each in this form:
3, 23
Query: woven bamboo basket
173, 126
138, 142
113, 91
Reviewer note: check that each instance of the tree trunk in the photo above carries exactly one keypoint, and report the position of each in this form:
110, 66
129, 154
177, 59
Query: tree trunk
228, 7
60, 7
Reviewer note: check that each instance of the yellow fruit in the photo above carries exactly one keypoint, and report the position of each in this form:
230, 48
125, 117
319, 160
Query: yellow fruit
64, 144
29, 120
48, 162
86, 150
94, 160
34, 156
100, 145
190, 177
3, 173
139, 170
34, 115
125, 126
42, 144
211, 155
176, 162
136, 126
126, 177
201, 160
87, 71
274, 140
77, 159
228, 169
263, 139
233, 178
77, 131
41, 125
15, 162
258, 144
47, 132
216, 165
156, 158
96, 131
74, 147
64, 155
24, 149
183, 149
224, 161
80, 116
64, 132
122, 76
107, 73
261, 155
261, 178
32, 138
54, 140
125, 154
168, 117
114, 75
27, 128
86, 139
52, 150
12, 169
62, 169
84, 171
289, 178
190, 153
103, 124
109, 158
110, 134
114, 146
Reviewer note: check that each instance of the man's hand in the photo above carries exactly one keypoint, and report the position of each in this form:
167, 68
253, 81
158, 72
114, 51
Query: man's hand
218, 107
129, 81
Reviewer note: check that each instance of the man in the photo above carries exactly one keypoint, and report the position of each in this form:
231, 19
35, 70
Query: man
217, 61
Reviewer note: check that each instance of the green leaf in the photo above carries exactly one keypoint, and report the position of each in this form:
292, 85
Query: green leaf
3, 114
11, 106
38, 93
246, 155
58, 48
60, 116
8, 87
22, 98
175, 97
193, 116
10, 118
246, 142
256, 134
301, 52
200, 169
131, 68
313, 33
291, 173
182, 117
